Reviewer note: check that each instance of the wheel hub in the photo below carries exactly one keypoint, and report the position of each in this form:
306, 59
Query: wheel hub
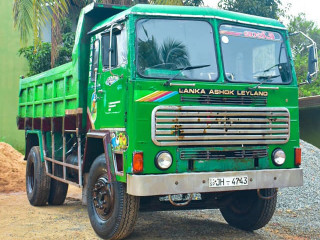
103, 198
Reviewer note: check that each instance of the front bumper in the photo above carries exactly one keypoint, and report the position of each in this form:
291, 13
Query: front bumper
164, 184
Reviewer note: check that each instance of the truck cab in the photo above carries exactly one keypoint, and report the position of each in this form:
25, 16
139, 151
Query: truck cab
209, 92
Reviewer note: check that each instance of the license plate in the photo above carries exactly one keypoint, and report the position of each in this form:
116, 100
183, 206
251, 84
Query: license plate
228, 181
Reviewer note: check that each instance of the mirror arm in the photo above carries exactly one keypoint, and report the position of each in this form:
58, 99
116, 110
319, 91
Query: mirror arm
314, 45
303, 83
110, 47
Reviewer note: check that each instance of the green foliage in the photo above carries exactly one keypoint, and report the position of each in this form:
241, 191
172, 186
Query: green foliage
68, 37
301, 66
38, 60
193, 2
264, 8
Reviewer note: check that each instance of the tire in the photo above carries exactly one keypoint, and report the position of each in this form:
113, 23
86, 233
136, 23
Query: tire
111, 210
58, 191
37, 182
249, 212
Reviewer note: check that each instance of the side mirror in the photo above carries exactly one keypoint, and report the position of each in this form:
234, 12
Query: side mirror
312, 61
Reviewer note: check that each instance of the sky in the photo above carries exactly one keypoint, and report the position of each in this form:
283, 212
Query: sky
310, 7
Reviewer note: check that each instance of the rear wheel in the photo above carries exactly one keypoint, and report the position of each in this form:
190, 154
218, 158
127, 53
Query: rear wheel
58, 190
248, 211
37, 182
111, 210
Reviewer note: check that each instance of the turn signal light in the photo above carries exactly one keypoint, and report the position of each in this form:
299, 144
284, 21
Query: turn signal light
137, 162
297, 156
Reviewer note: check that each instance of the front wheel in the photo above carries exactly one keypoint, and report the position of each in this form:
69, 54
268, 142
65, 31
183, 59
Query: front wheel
248, 211
111, 210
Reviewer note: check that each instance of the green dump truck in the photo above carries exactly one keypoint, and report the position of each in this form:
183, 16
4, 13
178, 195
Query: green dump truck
166, 108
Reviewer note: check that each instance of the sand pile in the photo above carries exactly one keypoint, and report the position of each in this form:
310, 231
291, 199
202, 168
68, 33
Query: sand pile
12, 169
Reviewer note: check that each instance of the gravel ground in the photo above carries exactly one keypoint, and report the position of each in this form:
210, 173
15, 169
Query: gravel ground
307, 196
304, 202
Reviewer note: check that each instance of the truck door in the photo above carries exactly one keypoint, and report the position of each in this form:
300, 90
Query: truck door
108, 104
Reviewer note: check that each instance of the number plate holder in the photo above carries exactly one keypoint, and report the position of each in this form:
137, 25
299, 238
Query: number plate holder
233, 181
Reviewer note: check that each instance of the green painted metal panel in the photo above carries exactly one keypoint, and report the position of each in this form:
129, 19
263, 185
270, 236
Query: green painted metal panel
45, 95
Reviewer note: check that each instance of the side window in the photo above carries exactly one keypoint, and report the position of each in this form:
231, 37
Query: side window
95, 58
118, 49
106, 49
122, 49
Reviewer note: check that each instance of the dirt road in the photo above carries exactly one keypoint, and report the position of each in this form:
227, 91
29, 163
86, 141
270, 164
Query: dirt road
19, 220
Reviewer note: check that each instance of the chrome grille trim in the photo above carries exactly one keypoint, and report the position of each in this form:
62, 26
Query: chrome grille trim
204, 125
213, 154
258, 101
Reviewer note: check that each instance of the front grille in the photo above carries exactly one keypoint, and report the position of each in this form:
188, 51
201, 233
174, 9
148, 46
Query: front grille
213, 154
225, 100
199, 125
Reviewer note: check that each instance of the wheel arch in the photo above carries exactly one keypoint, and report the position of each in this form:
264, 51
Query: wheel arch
33, 138
98, 143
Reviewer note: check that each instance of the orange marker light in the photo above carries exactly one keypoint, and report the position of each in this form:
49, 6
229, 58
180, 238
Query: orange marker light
297, 156
137, 162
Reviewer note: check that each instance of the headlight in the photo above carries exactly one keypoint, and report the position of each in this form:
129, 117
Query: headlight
163, 160
278, 157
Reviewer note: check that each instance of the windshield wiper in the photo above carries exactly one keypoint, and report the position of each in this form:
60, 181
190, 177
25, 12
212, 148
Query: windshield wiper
265, 79
167, 83
270, 68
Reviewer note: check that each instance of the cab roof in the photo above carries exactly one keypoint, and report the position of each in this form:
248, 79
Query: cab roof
192, 12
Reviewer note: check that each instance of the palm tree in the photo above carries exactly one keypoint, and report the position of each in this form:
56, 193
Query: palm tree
30, 15
174, 51
172, 54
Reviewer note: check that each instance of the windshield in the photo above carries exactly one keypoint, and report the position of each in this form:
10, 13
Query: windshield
253, 55
172, 48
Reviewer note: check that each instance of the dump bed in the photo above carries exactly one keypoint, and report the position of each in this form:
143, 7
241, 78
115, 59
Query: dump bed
49, 94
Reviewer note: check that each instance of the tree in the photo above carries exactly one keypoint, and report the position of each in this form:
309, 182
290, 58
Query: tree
30, 15
193, 2
171, 54
39, 60
263, 8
